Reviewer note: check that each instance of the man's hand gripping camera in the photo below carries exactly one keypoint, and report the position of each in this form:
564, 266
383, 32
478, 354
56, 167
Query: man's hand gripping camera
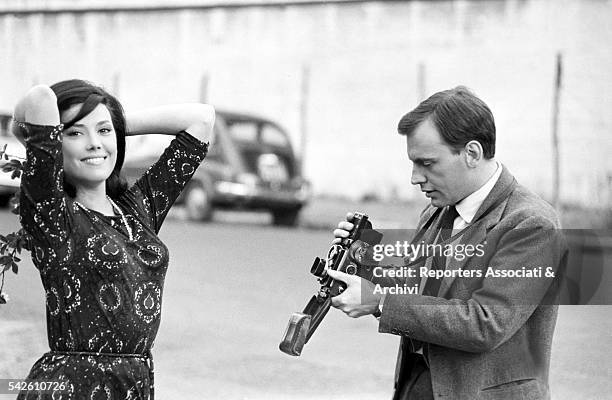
352, 256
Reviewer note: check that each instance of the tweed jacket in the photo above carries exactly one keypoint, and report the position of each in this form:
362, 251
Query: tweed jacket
487, 337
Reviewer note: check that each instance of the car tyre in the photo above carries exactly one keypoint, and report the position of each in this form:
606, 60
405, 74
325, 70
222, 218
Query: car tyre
198, 202
286, 217
5, 200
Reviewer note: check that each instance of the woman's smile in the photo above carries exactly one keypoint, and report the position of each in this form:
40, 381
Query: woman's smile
94, 160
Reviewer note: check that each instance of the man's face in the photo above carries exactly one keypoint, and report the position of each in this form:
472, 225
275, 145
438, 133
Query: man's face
441, 174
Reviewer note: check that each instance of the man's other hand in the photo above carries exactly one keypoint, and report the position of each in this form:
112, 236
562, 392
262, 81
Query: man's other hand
344, 228
358, 299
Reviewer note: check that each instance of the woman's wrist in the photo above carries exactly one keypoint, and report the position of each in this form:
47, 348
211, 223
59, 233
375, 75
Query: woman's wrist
24, 131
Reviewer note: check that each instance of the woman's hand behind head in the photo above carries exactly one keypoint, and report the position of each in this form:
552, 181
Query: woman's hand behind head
38, 106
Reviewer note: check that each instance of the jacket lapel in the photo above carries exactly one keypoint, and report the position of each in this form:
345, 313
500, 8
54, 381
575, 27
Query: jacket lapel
487, 216
474, 234
502, 189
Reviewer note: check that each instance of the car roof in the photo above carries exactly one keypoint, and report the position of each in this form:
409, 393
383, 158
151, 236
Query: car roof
245, 116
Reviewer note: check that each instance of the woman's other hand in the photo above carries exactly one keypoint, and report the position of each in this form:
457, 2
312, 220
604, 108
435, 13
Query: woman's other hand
38, 106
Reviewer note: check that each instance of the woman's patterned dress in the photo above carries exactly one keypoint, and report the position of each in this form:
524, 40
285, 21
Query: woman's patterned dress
103, 290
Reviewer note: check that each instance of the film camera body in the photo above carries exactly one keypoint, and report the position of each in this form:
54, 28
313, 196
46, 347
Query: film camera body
351, 256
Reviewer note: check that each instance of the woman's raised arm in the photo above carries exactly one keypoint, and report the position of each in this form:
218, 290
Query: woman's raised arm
196, 118
38, 106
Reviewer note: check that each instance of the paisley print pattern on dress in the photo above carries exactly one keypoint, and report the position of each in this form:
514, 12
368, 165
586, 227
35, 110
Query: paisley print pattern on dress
103, 291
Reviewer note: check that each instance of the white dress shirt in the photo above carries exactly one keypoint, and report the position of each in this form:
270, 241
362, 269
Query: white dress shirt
468, 207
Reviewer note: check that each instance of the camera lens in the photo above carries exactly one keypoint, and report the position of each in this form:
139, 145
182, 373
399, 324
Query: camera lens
318, 268
351, 269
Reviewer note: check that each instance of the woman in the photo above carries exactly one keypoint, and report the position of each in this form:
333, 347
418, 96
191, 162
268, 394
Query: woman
95, 240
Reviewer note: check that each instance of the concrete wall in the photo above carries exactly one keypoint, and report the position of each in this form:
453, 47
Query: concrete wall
362, 63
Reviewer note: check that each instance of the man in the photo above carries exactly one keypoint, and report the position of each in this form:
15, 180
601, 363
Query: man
474, 334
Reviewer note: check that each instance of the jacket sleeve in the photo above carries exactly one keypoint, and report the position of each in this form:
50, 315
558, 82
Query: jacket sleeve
496, 309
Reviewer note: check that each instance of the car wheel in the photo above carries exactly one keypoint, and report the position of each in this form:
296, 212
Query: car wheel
5, 199
285, 217
198, 202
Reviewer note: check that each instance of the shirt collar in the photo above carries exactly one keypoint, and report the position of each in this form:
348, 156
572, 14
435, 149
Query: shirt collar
468, 207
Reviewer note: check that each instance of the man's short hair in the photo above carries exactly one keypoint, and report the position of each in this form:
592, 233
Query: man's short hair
458, 115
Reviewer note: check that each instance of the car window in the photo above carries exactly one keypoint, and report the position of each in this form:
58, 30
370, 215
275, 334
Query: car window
274, 136
243, 131
257, 132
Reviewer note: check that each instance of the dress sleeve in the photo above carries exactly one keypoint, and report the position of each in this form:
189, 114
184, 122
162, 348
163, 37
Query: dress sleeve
42, 207
166, 178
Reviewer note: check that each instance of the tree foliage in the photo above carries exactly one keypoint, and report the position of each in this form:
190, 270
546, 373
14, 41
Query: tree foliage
13, 243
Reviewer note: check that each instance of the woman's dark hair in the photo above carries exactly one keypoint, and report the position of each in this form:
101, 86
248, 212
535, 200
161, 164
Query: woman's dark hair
458, 115
77, 91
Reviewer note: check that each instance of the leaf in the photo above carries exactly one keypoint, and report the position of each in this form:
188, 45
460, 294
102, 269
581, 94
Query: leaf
2, 298
15, 267
12, 238
14, 203
5, 260
27, 239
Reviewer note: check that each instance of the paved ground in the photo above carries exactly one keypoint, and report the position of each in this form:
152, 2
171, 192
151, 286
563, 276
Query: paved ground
230, 289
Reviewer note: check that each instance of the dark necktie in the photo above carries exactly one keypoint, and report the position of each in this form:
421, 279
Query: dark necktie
432, 285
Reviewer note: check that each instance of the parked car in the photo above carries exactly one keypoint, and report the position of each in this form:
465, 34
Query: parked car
250, 166
8, 186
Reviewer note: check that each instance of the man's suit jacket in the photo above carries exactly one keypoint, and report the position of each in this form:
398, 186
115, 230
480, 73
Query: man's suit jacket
487, 337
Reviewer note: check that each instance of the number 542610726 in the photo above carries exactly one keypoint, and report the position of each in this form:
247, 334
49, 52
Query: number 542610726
13, 386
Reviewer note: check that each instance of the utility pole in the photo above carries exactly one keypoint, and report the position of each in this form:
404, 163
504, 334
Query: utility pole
555, 134
116, 83
304, 97
204, 82
421, 78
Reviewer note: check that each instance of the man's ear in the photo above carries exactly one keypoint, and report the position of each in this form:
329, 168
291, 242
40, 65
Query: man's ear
473, 153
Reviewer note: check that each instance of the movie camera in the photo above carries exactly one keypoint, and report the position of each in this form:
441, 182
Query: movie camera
353, 255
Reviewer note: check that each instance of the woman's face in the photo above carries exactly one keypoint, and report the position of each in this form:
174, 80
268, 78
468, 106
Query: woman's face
89, 147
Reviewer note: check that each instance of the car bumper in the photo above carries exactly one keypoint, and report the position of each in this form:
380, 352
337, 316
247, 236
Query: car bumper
248, 196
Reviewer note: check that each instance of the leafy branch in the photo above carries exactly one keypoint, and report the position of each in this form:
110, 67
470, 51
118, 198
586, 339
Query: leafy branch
12, 244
